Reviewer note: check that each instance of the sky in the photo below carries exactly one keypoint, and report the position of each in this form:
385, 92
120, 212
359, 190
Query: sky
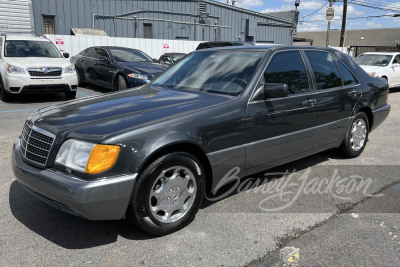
312, 12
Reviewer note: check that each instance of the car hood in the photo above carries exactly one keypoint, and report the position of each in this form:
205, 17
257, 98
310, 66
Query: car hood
108, 115
370, 69
26, 62
144, 67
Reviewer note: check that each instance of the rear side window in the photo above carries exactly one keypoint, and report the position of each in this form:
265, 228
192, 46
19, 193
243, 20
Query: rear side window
288, 68
90, 53
325, 69
347, 77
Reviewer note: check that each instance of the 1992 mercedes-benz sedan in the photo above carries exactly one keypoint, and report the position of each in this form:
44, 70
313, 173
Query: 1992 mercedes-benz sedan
151, 153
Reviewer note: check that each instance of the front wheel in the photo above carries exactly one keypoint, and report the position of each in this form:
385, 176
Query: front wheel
167, 194
120, 83
4, 95
356, 136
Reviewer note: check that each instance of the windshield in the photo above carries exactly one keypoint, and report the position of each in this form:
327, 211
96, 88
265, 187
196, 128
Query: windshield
373, 60
219, 72
129, 55
175, 58
26, 48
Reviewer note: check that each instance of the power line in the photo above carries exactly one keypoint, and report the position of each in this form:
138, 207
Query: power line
316, 10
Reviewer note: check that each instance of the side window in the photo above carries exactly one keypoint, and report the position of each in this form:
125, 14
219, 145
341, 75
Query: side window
396, 59
90, 53
325, 70
102, 53
288, 68
347, 77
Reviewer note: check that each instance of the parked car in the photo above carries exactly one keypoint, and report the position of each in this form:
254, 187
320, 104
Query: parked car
382, 64
115, 68
151, 153
215, 44
34, 65
170, 58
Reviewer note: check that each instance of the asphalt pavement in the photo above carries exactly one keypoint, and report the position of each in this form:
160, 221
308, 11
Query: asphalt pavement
321, 210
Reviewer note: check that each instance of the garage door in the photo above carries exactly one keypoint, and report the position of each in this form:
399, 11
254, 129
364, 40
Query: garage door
15, 16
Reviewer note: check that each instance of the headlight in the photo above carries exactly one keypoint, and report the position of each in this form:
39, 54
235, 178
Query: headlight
70, 69
373, 74
15, 70
85, 157
138, 76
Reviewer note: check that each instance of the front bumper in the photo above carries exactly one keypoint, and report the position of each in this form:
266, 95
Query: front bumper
105, 199
379, 115
17, 84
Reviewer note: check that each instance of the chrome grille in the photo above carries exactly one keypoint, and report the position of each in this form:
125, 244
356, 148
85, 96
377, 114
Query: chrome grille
45, 72
36, 145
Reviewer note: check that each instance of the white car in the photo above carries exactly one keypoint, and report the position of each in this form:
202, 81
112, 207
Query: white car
381, 64
34, 65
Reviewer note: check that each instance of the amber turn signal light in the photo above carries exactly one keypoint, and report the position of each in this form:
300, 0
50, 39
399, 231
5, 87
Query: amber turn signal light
102, 158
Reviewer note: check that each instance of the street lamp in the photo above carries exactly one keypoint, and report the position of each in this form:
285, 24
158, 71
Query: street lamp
297, 4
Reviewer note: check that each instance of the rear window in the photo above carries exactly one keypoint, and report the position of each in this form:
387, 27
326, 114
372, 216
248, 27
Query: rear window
26, 48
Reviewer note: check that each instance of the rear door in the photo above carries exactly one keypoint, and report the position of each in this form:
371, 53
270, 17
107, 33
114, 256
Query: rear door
338, 91
278, 128
87, 63
396, 70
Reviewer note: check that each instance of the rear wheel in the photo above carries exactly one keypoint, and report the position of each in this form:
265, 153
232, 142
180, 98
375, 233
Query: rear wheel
81, 77
4, 95
356, 136
167, 194
120, 83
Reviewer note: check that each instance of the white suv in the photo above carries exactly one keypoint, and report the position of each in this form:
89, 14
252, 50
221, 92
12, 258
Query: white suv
382, 64
34, 65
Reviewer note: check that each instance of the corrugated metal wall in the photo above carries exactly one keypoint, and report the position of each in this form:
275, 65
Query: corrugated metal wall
15, 16
178, 19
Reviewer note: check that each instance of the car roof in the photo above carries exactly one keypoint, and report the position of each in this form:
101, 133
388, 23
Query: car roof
381, 53
111, 47
267, 47
27, 38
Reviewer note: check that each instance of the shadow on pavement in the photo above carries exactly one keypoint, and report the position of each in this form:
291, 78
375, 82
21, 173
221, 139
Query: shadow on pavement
66, 230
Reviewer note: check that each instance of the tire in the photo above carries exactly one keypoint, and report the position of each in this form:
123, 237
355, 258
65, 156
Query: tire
81, 77
356, 137
4, 95
167, 194
70, 95
120, 83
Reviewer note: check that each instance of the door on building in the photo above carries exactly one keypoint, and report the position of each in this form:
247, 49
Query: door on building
148, 31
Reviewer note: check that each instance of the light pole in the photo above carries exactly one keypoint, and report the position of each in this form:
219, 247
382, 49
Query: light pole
328, 31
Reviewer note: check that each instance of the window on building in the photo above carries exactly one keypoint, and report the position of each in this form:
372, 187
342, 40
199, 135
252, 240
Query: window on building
325, 70
148, 31
48, 25
293, 74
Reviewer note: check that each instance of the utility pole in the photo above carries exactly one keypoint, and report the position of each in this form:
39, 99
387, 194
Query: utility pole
328, 32
343, 32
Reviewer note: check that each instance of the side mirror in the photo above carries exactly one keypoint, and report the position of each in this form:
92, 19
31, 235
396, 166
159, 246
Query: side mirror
104, 58
155, 60
275, 90
66, 55
394, 65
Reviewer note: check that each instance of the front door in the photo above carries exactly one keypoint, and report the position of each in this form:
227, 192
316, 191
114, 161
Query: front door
278, 128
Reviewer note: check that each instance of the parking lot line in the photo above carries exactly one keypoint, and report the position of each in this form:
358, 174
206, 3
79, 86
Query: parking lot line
82, 93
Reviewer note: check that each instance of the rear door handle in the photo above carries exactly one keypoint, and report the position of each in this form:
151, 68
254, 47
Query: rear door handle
310, 102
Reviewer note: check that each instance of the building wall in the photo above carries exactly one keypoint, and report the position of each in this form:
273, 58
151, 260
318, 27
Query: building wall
15, 16
369, 37
178, 19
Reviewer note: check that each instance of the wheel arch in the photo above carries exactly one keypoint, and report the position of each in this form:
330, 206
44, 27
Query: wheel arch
187, 147
368, 112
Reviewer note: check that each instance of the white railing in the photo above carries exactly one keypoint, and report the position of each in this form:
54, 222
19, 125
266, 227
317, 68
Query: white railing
153, 47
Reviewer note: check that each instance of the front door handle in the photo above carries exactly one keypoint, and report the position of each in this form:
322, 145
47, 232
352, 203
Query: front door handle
353, 92
310, 102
